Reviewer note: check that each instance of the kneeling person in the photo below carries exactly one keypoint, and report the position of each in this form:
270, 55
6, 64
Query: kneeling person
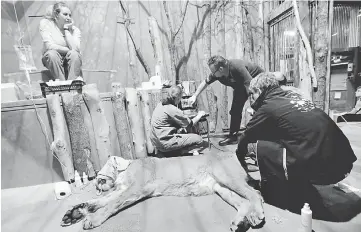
297, 143
168, 122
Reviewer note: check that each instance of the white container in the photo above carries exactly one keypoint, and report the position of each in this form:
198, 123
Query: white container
85, 178
62, 190
306, 218
77, 179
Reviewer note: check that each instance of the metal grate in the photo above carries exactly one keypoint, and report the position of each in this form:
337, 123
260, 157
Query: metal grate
346, 29
282, 45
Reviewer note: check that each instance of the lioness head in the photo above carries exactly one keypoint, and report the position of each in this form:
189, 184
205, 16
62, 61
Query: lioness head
107, 176
103, 183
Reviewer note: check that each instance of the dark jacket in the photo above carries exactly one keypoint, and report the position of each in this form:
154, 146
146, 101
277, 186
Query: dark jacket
315, 145
241, 74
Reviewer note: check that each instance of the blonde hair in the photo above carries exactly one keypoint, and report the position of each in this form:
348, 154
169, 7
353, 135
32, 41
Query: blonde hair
49, 12
263, 81
57, 8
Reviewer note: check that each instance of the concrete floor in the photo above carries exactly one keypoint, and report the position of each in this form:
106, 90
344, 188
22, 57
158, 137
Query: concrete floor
34, 209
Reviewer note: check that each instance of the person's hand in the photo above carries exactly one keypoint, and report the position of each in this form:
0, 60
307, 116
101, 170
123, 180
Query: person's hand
201, 113
192, 100
69, 25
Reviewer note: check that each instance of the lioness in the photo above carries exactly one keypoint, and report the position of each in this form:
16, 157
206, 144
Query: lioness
133, 180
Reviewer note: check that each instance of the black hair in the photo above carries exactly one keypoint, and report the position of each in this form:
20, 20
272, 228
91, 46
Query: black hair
217, 61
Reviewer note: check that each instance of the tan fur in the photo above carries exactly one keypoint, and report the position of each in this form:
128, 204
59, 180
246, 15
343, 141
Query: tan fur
180, 176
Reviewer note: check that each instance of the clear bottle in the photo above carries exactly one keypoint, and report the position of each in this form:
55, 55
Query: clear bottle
77, 179
85, 178
306, 218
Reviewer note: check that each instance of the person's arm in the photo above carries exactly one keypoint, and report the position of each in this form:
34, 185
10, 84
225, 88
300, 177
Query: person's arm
209, 80
257, 129
178, 116
243, 72
200, 89
72, 37
198, 117
45, 29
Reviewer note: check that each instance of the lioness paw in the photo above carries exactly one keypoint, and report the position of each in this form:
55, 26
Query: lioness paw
74, 215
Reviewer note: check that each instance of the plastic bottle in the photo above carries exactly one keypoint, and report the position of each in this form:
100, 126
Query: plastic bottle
77, 179
306, 218
85, 178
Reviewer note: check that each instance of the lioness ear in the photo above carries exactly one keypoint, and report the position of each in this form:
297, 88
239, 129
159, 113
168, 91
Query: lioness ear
120, 163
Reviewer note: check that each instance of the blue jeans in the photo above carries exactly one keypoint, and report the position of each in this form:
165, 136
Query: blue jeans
63, 67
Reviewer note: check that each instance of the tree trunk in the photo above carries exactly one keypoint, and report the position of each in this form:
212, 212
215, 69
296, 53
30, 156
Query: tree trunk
328, 74
61, 145
157, 46
131, 41
248, 36
211, 98
305, 76
100, 124
238, 22
321, 52
307, 45
132, 65
179, 47
79, 136
122, 123
136, 123
222, 52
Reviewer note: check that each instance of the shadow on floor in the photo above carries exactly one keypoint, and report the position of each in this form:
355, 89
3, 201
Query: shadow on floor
327, 203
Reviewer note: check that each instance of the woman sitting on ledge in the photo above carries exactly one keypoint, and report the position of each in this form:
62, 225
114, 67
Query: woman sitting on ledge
61, 43
168, 122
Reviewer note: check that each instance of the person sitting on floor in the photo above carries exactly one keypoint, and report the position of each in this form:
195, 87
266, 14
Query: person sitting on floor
61, 43
168, 122
297, 143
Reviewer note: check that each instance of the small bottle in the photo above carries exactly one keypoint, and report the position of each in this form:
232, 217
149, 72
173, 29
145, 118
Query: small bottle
85, 178
306, 218
77, 179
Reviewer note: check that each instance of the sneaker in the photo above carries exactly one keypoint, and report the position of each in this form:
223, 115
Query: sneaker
231, 139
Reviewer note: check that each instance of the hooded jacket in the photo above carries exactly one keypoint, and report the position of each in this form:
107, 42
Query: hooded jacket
315, 145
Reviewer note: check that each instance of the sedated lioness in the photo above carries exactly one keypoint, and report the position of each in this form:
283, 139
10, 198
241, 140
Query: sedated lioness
133, 180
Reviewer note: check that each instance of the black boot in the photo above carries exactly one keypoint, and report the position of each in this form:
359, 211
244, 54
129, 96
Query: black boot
231, 139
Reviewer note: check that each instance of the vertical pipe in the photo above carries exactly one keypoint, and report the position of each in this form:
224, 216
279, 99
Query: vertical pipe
328, 72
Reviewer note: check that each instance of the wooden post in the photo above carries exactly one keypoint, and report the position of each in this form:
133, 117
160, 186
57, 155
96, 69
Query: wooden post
60, 146
211, 98
100, 124
144, 100
79, 136
136, 123
157, 46
321, 51
93, 148
122, 123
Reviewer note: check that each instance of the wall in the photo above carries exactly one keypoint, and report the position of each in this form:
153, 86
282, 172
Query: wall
105, 45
